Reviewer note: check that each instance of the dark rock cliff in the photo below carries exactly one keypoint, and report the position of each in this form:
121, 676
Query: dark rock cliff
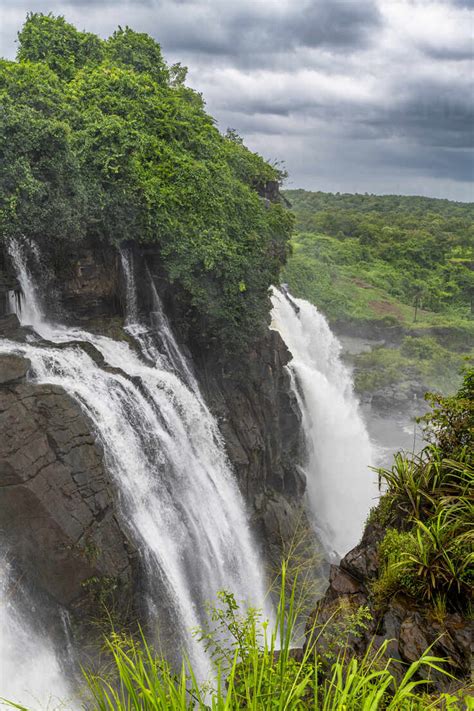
58, 512
57, 506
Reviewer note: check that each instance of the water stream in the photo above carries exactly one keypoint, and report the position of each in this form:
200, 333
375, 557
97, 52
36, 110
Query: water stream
30, 671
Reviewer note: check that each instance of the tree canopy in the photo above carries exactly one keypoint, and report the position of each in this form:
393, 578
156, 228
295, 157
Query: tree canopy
101, 141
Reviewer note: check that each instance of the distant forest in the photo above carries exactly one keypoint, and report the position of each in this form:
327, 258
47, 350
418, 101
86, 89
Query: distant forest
418, 250
400, 263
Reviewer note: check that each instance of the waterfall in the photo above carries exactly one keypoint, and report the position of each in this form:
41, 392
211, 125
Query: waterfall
341, 488
166, 456
28, 308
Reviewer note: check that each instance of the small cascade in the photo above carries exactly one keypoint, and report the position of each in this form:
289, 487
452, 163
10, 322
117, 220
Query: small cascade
341, 487
126, 260
27, 308
157, 344
170, 346
165, 453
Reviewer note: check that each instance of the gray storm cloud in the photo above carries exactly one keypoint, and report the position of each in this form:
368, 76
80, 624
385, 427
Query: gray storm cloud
369, 96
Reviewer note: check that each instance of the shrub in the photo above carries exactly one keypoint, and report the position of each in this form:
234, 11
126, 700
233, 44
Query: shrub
394, 578
429, 554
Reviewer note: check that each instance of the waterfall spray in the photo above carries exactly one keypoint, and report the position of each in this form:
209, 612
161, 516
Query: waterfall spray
341, 488
30, 672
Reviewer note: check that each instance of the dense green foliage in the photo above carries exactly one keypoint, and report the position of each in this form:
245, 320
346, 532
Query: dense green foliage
428, 550
419, 250
101, 140
392, 262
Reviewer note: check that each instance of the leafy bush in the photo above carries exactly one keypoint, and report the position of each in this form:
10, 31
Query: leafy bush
394, 578
450, 424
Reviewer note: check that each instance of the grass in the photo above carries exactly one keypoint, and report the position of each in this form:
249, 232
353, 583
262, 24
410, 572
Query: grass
257, 669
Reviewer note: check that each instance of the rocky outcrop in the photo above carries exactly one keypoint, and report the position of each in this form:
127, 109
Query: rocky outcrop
410, 626
406, 398
260, 421
258, 416
57, 508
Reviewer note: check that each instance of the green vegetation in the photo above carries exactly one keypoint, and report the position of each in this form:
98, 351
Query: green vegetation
427, 552
386, 264
256, 669
418, 359
102, 141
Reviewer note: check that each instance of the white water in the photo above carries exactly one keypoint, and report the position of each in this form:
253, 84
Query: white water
341, 488
164, 450
29, 670
170, 357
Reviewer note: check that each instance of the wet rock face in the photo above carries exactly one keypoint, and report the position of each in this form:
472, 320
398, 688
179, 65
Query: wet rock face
261, 424
9, 326
91, 289
56, 504
13, 368
260, 419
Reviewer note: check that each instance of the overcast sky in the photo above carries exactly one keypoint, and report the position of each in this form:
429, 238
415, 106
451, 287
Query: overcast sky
353, 95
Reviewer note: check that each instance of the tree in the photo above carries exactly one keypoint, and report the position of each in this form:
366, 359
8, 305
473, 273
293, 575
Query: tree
52, 40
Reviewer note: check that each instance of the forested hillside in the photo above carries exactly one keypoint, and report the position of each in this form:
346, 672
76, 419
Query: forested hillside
401, 264
102, 141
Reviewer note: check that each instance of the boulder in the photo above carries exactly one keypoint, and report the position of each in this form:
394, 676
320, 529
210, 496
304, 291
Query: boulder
9, 326
13, 368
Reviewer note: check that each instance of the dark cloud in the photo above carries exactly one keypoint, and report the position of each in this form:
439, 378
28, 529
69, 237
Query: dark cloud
448, 54
261, 35
432, 115
465, 4
354, 96
333, 24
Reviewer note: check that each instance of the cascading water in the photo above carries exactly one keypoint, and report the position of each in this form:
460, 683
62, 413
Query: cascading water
341, 488
166, 456
170, 356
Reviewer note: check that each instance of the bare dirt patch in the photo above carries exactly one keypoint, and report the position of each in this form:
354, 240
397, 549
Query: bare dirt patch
386, 308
